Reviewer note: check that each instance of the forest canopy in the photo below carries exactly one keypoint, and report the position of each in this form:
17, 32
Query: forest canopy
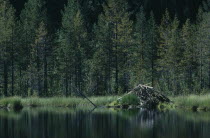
182, 8
103, 47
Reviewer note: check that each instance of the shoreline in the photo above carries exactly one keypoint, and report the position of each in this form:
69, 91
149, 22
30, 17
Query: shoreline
69, 102
191, 102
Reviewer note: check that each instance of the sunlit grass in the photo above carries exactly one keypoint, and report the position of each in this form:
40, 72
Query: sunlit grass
56, 101
102, 101
53, 102
199, 101
127, 99
11, 102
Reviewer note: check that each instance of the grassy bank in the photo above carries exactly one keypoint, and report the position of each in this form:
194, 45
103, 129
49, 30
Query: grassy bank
14, 102
11, 103
193, 102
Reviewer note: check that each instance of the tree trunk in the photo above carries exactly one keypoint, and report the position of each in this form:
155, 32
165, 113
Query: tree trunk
5, 79
209, 73
116, 63
66, 78
201, 68
153, 66
38, 72
45, 72
12, 64
12, 74
20, 81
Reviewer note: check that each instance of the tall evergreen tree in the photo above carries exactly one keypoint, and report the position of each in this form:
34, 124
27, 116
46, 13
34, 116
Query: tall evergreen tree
41, 43
7, 23
140, 71
72, 54
163, 66
189, 60
32, 15
203, 50
206, 5
170, 52
152, 48
117, 26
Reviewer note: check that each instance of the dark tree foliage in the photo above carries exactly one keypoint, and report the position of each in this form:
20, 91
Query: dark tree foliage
92, 8
101, 47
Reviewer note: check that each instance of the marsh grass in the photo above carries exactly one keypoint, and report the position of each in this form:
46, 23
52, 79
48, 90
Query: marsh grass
201, 102
127, 99
52, 102
130, 99
71, 102
103, 101
11, 102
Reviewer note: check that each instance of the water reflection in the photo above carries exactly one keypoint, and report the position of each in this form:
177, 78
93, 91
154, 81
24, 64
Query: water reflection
103, 123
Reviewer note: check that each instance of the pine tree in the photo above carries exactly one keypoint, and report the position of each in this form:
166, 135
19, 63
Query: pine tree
170, 52
203, 50
41, 43
32, 15
152, 48
101, 63
176, 53
140, 70
116, 27
91, 10
163, 66
72, 55
206, 5
7, 22
189, 61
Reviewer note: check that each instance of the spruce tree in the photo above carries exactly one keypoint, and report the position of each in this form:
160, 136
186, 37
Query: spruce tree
206, 5
163, 65
189, 60
139, 51
170, 52
7, 23
71, 53
31, 16
117, 28
203, 50
41, 43
152, 48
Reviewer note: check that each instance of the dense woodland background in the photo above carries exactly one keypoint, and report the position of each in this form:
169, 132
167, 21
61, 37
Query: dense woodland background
103, 47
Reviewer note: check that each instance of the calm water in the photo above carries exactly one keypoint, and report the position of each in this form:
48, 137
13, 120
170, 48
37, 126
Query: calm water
103, 123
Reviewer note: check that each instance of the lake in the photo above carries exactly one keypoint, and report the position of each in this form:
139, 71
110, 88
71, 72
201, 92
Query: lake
103, 123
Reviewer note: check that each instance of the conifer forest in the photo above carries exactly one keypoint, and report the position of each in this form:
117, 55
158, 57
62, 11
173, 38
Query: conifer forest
103, 47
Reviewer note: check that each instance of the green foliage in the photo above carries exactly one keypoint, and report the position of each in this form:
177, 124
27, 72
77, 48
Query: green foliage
170, 52
166, 106
72, 50
7, 24
16, 102
17, 105
113, 42
31, 16
29, 53
198, 101
12, 102
129, 99
7, 21
139, 54
119, 51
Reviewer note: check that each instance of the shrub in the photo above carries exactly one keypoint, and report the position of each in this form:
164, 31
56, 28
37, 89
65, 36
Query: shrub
17, 105
11, 102
129, 99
